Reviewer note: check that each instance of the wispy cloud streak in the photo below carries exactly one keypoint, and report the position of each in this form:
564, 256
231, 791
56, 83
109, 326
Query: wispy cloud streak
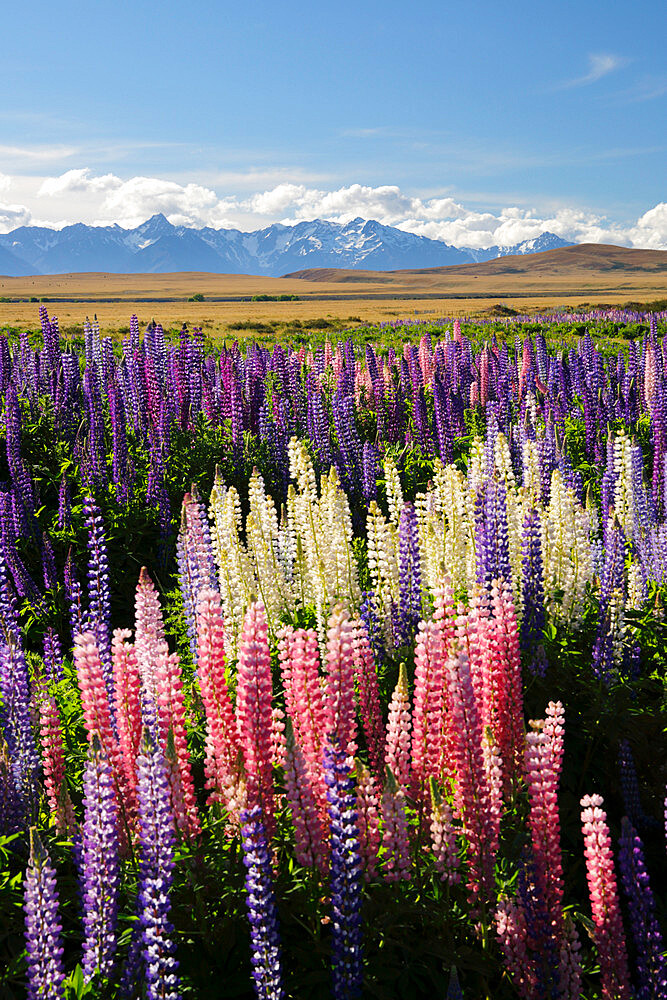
649, 88
600, 64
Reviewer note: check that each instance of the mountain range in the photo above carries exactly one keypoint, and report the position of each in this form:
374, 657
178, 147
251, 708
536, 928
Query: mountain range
158, 247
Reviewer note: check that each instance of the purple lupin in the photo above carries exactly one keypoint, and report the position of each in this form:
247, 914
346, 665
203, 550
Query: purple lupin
650, 957
261, 905
346, 877
156, 837
43, 944
99, 865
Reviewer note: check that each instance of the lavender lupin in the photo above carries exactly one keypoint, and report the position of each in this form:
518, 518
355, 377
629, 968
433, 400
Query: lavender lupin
532, 581
370, 463
99, 610
157, 838
99, 865
651, 962
346, 878
42, 925
53, 655
15, 719
410, 589
368, 612
73, 594
261, 905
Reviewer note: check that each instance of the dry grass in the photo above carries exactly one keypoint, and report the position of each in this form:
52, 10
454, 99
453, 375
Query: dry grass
571, 276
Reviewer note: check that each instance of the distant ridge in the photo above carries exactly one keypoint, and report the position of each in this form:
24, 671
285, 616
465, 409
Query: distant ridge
158, 247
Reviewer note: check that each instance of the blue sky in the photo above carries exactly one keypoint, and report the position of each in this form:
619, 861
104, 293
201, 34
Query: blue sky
465, 121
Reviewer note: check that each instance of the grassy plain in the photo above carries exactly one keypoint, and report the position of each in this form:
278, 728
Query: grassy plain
585, 275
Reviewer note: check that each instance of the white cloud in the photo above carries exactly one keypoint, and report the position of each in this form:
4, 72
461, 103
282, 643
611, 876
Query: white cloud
130, 202
13, 216
387, 204
599, 64
651, 228
80, 195
77, 181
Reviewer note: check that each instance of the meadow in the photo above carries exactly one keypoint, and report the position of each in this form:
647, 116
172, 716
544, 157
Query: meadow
578, 278
333, 664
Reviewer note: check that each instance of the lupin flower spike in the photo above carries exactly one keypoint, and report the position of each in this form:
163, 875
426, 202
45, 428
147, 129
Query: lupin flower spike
99, 865
609, 934
260, 901
346, 942
42, 925
156, 839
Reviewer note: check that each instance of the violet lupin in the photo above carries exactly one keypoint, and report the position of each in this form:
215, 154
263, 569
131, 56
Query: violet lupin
42, 925
99, 609
15, 719
532, 581
345, 867
370, 463
612, 588
261, 905
99, 865
368, 612
651, 981
53, 655
493, 560
410, 587
73, 594
11, 806
630, 784
156, 838
442, 431
49, 571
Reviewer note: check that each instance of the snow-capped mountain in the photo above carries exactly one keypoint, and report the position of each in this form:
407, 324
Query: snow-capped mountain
538, 244
156, 246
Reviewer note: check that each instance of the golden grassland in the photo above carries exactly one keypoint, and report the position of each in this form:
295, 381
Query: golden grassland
584, 275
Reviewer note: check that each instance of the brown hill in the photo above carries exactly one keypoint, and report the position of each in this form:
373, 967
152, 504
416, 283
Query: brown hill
594, 257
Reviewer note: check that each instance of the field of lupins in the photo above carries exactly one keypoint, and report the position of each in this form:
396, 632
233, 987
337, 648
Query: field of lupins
335, 672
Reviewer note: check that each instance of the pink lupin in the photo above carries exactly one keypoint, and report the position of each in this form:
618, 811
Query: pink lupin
254, 692
443, 836
223, 747
310, 845
512, 933
510, 728
398, 744
368, 818
278, 740
171, 714
162, 681
473, 800
396, 860
127, 688
369, 699
149, 636
96, 711
542, 774
603, 892
298, 653
427, 712
57, 793
339, 700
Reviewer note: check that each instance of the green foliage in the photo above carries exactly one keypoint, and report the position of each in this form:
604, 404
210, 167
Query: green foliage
274, 298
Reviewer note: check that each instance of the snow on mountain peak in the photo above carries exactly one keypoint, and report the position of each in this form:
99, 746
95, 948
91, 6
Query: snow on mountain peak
158, 246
